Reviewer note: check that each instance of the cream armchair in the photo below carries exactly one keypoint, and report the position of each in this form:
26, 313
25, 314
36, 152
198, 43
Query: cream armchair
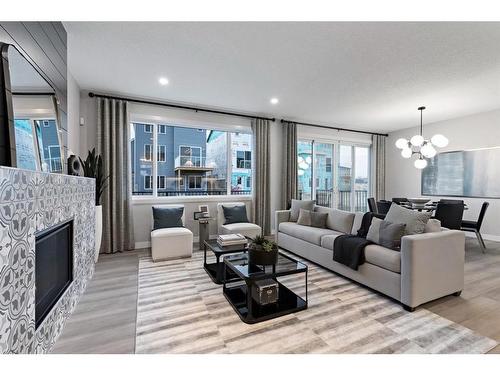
171, 243
247, 229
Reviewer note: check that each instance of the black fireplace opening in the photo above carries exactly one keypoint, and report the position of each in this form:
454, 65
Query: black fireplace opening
53, 267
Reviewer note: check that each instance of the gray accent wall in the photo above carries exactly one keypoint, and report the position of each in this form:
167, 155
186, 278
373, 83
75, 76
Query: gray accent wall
31, 202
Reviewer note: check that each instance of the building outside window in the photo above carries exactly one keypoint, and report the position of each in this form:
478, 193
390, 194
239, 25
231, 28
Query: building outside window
189, 161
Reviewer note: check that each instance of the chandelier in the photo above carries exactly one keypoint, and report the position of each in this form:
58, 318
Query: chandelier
420, 146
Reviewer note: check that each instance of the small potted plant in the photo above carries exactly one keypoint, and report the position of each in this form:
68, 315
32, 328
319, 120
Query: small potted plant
263, 252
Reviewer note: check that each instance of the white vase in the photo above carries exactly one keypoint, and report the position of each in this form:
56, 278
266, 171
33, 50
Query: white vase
98, 231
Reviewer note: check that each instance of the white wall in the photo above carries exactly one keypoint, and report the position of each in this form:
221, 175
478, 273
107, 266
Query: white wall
475, 131
73, 115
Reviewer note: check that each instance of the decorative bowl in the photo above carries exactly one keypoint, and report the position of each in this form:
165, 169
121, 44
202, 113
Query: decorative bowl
418, 202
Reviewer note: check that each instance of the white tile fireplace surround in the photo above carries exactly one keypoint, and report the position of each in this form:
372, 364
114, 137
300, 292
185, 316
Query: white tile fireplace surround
31, 202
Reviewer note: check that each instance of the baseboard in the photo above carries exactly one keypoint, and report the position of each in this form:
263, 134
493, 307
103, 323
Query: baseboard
488, 237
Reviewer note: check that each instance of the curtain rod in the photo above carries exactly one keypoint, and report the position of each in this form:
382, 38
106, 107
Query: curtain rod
335, 128
197, 109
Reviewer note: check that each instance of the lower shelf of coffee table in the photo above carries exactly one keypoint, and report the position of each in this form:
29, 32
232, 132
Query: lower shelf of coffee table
213, 271
288, 302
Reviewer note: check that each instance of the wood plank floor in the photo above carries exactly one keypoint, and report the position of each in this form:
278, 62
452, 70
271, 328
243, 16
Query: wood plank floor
104, 320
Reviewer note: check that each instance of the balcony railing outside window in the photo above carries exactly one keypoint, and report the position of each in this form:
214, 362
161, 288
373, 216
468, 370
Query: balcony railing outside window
325, 198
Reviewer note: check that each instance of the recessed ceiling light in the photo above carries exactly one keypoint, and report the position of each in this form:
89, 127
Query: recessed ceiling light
163, 81
274, 101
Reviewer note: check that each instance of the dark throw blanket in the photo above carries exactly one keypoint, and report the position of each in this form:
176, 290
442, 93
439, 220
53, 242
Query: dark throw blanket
349, 250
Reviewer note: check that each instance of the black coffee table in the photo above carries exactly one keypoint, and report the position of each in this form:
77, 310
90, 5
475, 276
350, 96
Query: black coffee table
239, 295
215, 270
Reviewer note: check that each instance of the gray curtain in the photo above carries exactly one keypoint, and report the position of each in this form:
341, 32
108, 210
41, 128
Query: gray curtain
289, 181
261, 204
378, 166
113, 144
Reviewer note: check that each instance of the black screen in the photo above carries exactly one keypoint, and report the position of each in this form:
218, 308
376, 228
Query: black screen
54, 267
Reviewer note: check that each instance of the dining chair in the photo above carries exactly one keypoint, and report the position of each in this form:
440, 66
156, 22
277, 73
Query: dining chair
400, 200
383, 207
450, 215
475, 226
372, 206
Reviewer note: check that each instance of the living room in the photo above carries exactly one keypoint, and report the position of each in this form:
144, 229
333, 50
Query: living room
192, 187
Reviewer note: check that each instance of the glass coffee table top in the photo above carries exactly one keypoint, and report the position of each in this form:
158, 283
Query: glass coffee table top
284, 266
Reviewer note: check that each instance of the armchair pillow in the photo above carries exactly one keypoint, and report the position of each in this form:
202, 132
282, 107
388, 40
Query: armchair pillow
297, 205
235, 214
415, 221
167, 217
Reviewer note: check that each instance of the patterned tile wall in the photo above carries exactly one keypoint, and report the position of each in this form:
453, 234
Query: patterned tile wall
31, 202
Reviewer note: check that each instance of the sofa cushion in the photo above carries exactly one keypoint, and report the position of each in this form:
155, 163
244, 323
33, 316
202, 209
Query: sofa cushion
390, 235
434, 225
415, 221
328, 240
383, 257
309, 234
356, 225
338, 220
297, 205
312, 219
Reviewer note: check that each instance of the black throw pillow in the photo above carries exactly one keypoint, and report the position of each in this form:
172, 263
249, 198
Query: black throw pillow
235, 214
167, 217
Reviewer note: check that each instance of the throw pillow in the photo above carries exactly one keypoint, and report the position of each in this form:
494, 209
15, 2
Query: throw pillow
304, 217
374, 230
390, 234
297, 205
318, 219
415, 221
433, 225
235, 214
167, 217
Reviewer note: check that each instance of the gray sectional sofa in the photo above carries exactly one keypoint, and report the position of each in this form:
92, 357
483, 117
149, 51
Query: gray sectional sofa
429, 265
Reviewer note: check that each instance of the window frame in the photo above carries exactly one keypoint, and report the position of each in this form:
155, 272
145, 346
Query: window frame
158, 179
148, 126
162, 126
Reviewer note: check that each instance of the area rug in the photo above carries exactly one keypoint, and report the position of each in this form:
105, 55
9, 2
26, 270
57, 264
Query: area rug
180, 310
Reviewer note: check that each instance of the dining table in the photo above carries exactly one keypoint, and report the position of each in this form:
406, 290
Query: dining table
430, 207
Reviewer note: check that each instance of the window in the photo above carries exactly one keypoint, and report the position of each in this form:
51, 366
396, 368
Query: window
334, 174
244, 159
148, 152
141, 158
162, 182
190, 156
194, 182
148, 185
162, 153
196, 161
241, 152
46, 124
